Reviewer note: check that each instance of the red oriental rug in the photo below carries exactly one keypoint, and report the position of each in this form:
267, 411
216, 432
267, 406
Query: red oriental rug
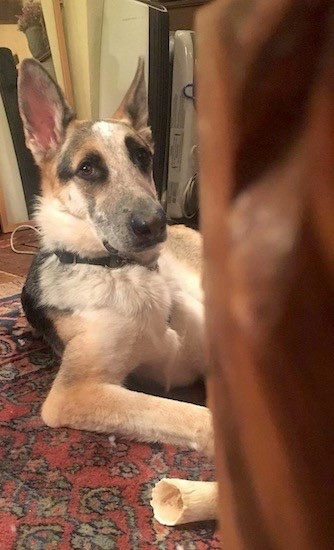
64, 489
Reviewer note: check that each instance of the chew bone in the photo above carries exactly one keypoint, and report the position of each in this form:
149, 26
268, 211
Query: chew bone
178, 501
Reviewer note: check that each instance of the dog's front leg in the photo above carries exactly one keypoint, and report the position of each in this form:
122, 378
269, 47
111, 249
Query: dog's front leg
104, 407
82, 397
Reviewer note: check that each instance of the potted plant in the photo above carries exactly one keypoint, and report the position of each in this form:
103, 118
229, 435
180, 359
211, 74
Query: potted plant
31, 22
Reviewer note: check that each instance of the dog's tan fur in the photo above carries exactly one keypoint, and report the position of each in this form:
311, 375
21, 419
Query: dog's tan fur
113, 322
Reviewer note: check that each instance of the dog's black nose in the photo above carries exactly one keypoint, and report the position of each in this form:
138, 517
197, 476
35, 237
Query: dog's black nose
149, 225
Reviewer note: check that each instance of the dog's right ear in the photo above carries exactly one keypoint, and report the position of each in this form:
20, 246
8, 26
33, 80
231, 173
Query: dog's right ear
44, 111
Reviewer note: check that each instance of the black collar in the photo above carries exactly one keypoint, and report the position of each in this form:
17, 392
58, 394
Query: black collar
112, 260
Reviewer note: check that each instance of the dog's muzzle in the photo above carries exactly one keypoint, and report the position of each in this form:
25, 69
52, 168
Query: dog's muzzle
149, 228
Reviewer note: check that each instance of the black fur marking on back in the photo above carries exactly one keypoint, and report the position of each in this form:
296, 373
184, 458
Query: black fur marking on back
37, 313
140, 155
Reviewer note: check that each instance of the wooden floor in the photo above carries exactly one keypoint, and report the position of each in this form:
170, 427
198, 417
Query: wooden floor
13, 266
13, 263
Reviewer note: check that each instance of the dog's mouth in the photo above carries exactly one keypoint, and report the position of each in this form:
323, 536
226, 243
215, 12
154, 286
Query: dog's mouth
150, 243
144, 246
110, 248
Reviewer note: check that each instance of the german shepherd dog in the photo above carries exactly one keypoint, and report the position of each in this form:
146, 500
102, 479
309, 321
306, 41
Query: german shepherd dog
112, 289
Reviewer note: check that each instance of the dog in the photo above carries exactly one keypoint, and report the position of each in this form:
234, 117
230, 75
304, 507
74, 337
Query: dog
112, 289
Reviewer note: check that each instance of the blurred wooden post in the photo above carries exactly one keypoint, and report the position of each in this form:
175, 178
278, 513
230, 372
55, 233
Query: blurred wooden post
265, 91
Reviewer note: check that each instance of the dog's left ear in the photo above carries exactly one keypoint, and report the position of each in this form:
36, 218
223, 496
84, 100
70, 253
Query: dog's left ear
134, 109
44, 111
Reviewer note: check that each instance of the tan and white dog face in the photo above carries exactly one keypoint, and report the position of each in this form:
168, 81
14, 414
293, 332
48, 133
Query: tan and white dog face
97, 185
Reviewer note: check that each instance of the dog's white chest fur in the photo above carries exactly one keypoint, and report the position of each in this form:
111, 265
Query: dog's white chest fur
149, 315
130, 291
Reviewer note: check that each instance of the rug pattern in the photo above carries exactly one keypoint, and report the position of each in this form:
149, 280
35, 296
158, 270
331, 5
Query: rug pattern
63, 489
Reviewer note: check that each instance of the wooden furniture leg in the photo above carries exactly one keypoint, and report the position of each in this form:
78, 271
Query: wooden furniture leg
265, 99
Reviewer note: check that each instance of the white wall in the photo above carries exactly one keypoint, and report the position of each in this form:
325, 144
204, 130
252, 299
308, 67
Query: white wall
15, 40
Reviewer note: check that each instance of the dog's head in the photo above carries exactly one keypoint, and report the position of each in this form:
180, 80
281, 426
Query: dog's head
97, 185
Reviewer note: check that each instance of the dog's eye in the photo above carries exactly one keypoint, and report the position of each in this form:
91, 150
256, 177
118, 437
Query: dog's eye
139, 155
142, 155
92, 169
86, 170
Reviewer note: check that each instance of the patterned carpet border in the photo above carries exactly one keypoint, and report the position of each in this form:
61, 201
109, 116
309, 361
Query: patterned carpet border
64, 489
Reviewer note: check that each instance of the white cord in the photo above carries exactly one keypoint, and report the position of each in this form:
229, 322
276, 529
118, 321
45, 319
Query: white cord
23, 226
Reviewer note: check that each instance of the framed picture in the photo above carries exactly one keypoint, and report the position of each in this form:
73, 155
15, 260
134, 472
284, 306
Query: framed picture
9, 9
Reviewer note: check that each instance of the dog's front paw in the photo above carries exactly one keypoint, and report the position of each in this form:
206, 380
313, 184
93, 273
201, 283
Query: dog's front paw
204, 434
51, 411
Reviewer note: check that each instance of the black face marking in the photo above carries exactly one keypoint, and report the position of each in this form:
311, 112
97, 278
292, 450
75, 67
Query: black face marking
65, 171
139, 154
92, 169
